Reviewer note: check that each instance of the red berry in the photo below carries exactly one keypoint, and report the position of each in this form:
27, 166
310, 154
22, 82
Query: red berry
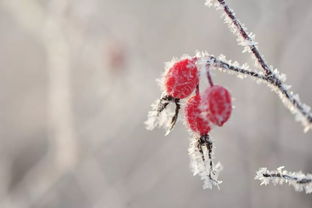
194, 116
181, 79
217, 103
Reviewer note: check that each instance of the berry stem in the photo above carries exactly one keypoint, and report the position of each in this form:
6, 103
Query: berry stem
208, 74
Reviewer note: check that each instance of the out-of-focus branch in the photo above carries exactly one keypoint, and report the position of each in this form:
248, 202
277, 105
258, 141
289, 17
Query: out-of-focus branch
48, 26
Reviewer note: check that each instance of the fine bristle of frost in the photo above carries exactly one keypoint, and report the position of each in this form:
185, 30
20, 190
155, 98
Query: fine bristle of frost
300, 181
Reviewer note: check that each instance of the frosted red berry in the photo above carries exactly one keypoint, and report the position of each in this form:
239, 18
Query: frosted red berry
194, 117
181, 79
217, 102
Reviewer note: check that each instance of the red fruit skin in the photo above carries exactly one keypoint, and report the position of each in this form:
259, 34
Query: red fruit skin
194, 118
217, 101
181, 79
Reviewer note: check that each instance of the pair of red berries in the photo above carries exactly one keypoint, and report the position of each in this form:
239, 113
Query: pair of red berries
213, 107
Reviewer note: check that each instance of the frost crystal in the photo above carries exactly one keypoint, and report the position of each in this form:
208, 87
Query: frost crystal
298, 180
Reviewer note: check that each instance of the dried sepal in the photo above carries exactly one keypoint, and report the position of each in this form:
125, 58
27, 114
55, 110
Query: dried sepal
201, 155
161, 116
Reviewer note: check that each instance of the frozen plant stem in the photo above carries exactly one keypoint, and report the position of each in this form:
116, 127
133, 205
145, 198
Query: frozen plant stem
278, 86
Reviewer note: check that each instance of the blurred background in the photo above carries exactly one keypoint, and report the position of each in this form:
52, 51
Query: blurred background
76, 82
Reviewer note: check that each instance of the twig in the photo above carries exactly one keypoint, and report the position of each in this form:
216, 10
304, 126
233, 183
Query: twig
298, 180
291, 101
242, 31
208, 73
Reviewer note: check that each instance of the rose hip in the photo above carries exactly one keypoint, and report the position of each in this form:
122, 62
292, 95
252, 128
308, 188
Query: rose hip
217, 103
194, 117
181, 79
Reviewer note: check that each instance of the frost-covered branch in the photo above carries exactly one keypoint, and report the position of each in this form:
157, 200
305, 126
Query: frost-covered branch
226, 66
273, 77
244, 39
298, 180
275, 80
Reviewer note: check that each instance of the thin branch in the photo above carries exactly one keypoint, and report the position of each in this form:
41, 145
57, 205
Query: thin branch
228, 66
242, 31
291, 101
298, 180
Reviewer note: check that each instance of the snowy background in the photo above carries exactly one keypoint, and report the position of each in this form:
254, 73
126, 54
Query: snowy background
76, 82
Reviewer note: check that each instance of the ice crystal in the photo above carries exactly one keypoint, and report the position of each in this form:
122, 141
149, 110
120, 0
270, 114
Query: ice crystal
300, 181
